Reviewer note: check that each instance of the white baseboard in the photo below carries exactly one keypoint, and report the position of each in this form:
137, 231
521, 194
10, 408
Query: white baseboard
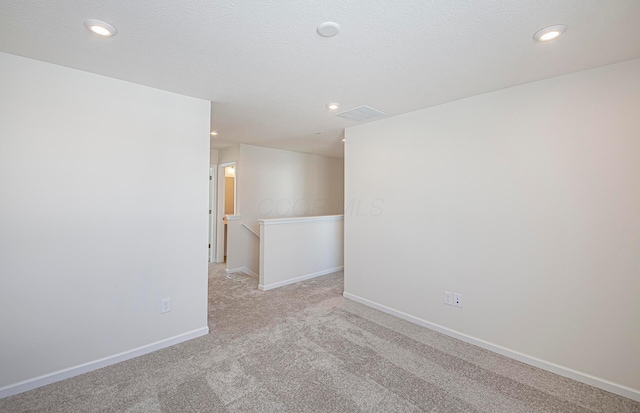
298, 279
59, 375
533, 361
242, 269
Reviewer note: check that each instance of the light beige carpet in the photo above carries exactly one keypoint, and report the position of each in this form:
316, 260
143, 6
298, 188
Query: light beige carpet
303, 348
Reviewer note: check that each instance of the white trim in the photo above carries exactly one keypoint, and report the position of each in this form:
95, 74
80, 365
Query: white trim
213, 206
516, 355
298, 279
241, 269
67, 373
251, 229
261, 254
293, 220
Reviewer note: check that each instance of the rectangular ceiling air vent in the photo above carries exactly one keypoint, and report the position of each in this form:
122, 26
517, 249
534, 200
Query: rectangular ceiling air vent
361, 113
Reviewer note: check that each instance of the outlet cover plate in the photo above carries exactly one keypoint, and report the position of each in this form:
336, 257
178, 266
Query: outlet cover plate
165, 305
448, 297
457, 300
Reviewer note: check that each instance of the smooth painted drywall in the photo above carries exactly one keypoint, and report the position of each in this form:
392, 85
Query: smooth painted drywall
274, 183
526, 201
103, 213
229, 154
294, 249
243, 247
213, 157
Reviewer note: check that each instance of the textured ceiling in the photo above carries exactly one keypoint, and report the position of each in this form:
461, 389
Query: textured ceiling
269, 75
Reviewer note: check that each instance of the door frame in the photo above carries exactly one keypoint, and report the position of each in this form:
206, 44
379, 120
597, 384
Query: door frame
213, 170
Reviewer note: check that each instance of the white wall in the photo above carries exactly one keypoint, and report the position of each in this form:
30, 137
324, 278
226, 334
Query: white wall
526, 201
103, 213
273, 183
243, 248
229, 154
297, 249
213, 157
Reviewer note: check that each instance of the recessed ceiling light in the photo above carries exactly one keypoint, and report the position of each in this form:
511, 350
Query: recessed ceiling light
549, 33
333, 106
214, 133
342, 139
100, 28
328, 29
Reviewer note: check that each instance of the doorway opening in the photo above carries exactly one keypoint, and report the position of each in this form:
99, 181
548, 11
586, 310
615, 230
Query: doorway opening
227, 205
230, 190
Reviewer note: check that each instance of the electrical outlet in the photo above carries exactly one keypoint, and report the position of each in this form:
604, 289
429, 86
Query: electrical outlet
457, 300
165, 305
448, 298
